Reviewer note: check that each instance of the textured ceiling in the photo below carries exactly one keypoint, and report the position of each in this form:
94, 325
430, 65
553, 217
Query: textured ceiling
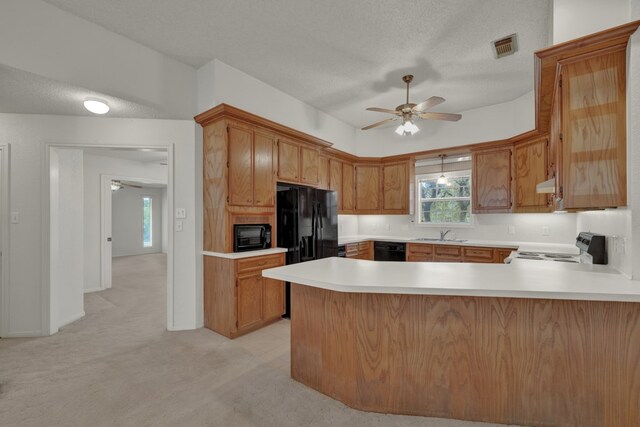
342, 56
28, 93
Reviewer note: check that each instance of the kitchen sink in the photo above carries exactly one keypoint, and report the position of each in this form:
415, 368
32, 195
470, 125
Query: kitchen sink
430, 239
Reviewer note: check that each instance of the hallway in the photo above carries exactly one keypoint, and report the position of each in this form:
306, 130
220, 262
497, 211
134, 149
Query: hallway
119, 366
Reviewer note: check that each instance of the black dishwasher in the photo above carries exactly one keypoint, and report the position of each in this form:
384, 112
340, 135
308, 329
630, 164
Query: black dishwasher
389, 251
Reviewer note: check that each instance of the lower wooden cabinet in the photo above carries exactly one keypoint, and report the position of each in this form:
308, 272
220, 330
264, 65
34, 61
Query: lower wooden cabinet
420, 252
361, 250
237, 299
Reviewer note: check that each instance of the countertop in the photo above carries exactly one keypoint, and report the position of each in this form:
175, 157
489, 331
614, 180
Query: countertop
248, 254
522, 246
520, 279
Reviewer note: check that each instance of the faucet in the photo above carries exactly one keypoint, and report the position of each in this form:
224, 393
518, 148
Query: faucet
443, 234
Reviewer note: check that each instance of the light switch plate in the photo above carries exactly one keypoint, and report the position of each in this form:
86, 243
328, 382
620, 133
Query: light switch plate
179, 225
181, 213
545, 230
15, 217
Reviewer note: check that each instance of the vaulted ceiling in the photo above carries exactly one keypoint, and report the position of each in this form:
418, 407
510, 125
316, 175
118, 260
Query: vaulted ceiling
343, 56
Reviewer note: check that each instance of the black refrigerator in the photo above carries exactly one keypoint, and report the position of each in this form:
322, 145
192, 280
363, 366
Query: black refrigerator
307, 226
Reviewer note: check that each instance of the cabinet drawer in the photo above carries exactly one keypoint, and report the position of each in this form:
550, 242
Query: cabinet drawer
448, 251
259, 263
445, 259
363, 246
419, 248
351, 248
477, 254
419, 257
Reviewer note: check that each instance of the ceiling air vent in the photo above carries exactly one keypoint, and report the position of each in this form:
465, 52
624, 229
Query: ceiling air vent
505, 46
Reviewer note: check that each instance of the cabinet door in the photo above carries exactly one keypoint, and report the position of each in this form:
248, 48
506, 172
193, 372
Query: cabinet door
335, 180
264, 186
288, 161
367, 188
594, 132
272, 298
240, 149
323, 172
395, 187
347, 188
309, 165
531, 169
492, 180
249, 300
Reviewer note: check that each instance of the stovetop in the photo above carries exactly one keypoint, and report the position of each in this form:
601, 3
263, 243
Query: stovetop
546, 256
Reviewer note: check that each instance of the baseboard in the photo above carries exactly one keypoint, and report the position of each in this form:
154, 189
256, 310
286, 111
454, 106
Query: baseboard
72, 319
176, 328
24, 334
87, 291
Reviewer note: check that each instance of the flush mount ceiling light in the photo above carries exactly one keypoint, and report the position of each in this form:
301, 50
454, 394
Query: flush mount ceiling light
442, 180
96, 106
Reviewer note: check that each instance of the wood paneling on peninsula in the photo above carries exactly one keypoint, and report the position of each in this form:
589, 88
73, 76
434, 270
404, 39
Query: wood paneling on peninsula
499, 360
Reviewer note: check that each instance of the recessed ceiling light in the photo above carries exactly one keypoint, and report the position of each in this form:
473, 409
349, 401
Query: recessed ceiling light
96, 106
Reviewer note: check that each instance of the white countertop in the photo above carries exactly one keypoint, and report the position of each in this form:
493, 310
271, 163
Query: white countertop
520, 279
522, 246
248, 254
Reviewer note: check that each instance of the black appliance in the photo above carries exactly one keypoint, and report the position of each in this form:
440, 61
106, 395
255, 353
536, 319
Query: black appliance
592, 247
389, 251
251, 237
342, 251
307, 225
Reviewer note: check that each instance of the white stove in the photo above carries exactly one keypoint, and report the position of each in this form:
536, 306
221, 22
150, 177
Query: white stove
592, 251
544, 256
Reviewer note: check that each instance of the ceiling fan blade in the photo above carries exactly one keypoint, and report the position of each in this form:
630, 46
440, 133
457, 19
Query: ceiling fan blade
381, 122
384, 110
440, 116
429, 103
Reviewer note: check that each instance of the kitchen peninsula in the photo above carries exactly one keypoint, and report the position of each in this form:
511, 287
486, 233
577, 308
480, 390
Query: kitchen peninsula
528, 344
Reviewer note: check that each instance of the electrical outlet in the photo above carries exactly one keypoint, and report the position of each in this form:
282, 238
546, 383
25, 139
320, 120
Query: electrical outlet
512, 229
387, 227
181, 213
179, 225
545, 230
622, 247
374, 226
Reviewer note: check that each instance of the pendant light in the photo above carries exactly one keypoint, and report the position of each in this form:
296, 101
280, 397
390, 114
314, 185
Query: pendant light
442, 180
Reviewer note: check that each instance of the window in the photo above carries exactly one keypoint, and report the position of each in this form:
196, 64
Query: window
147, 237
444, 204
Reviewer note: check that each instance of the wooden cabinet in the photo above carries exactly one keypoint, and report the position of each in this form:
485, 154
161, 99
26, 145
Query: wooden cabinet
419, 252
447, 253
309, 166
593, 134
531, 166
323, 172
492, 180
237, 299
395, 188
367, 188
348, 186
263, 170
502, 253
335, 180
288, 161
360, 250
477, 254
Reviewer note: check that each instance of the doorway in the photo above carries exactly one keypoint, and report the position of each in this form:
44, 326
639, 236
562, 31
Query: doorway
100, 168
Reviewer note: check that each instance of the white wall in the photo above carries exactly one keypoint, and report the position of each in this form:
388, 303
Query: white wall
347, 225
484, 124
528, 227
28, 136
221, 83
128, 224
47, 41
577, 18
165, 220
94, 167
66, 237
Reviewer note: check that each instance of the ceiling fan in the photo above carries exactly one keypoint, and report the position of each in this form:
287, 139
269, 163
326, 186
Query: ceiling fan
117, 185
408, 112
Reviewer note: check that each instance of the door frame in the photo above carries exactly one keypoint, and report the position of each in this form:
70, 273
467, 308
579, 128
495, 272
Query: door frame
106, 218
4, 238
45, 250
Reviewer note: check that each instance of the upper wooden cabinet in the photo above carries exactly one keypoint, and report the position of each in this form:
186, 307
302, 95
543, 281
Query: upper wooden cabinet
288, 161
531, 165
593, 138
492, 180
395, 188
348, 187
250, 164
323, 172
367, 188
335, 180
309, 166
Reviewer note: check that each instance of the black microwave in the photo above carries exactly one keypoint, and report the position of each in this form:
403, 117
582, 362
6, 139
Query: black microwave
251, 237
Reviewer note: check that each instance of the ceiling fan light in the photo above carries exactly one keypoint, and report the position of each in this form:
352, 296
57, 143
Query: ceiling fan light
400, 130
412, 128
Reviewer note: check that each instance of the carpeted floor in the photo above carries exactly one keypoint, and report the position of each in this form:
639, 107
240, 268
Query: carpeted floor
118, 366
